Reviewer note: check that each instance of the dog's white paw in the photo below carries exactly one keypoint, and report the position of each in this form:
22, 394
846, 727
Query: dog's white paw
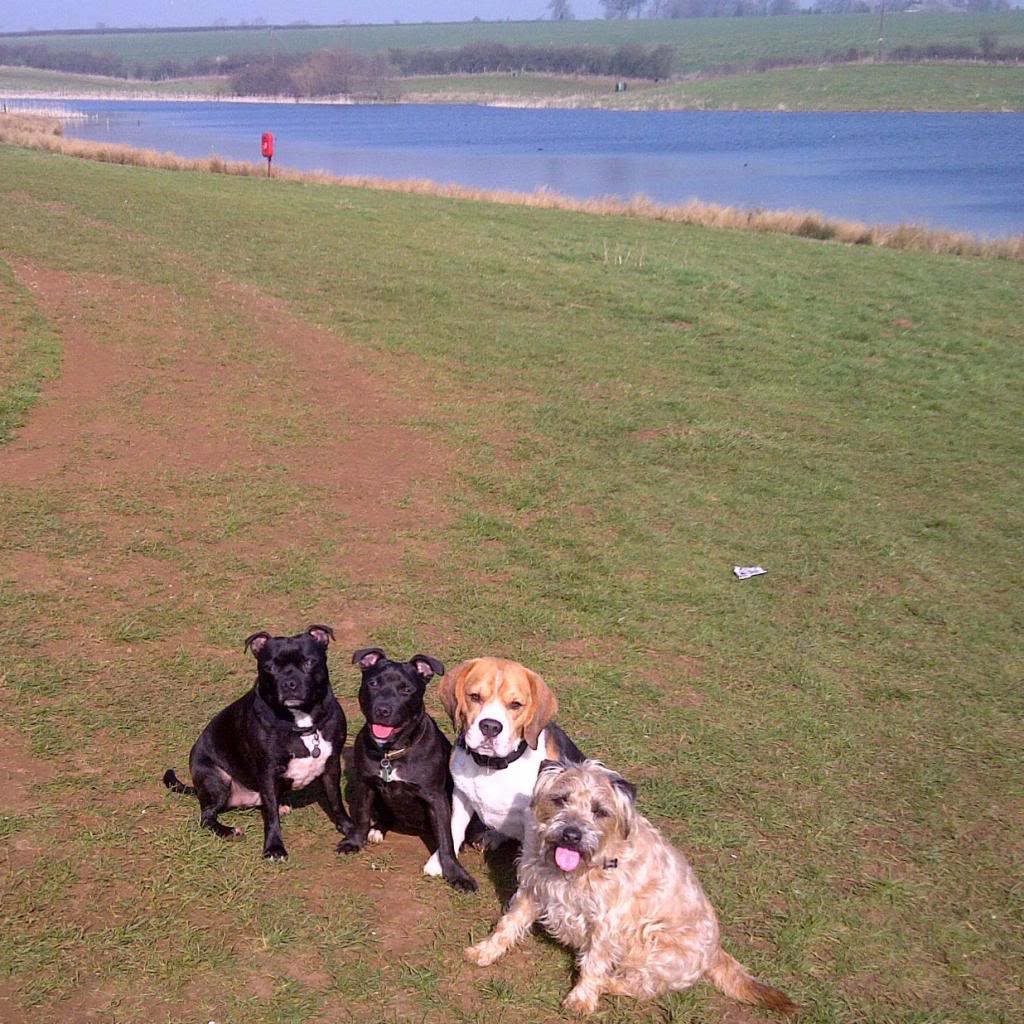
375, 836
433, 867
284, 809
481, 954
581, 1000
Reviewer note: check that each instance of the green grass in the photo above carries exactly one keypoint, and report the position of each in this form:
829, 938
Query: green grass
29, 353
836, 743
701, 42
852, 87
38, 80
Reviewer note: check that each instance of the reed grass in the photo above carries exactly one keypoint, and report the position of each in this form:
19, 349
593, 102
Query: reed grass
44, 133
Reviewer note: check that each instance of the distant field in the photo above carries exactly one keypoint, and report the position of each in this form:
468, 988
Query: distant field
700, 42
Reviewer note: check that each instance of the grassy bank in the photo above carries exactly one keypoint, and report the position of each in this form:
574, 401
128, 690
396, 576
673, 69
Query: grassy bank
27, 81
44, 133
462, 427
927, 87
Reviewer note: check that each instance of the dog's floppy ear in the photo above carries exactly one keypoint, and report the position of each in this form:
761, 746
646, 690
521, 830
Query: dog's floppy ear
323, 635
426, 666
367, 657
256, 642
546, 775
625, 798
545, 707
452, 690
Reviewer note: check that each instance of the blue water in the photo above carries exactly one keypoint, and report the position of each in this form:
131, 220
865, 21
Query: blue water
962, 171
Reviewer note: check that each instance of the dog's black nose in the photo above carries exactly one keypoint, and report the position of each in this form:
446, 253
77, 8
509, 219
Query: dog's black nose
490, 728
382, 714
571, 835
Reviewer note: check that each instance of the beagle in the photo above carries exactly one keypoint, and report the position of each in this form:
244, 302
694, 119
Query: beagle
502, 712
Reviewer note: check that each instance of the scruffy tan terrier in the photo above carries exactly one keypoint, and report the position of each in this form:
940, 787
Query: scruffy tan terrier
601, 879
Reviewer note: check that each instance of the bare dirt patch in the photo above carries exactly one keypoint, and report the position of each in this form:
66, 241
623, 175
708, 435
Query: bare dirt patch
20, 771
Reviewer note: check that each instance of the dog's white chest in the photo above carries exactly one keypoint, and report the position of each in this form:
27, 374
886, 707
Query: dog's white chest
303, 770
501, 797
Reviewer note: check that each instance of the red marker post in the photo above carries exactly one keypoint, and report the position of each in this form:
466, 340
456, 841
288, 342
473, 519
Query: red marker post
267, 148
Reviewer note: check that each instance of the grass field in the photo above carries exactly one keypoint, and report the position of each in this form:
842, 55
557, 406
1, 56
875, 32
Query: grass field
18, 81
461, 428
701, 42
843, 87
921, 87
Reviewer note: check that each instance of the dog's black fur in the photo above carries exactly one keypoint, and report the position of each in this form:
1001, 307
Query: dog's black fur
243, 757
415, 754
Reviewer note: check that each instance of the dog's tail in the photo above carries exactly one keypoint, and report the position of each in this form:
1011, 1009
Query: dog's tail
175, 785
727, 974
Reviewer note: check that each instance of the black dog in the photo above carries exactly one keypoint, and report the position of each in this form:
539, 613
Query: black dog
285, 732
400, 766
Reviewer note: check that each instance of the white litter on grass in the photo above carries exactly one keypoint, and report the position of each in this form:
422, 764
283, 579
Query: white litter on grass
744, 572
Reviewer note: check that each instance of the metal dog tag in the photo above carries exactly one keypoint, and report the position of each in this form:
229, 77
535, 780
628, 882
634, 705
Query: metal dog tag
386, 771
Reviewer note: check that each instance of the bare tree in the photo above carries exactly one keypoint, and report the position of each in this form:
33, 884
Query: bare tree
560, 10
623, 8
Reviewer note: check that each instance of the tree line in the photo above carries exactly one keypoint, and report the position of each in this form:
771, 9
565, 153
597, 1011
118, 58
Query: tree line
628, 61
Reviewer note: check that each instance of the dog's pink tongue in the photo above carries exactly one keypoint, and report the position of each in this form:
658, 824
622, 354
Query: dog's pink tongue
566, 859
383, 732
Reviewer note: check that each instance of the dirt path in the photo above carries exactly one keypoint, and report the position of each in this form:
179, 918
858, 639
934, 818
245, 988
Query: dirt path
161, 425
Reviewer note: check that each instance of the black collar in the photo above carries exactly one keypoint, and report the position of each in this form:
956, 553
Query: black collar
497, 763
265, 713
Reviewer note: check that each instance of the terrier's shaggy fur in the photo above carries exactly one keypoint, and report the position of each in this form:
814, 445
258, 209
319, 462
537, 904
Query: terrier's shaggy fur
601, 879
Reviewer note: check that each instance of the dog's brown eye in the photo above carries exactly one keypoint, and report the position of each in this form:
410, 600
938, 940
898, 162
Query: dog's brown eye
599, 811
515, 705
475, 698
559, 801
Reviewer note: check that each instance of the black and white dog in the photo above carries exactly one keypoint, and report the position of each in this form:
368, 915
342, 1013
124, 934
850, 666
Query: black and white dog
400, 774
287, 731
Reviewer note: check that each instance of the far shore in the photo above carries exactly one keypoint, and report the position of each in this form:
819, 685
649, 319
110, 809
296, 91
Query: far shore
9, 101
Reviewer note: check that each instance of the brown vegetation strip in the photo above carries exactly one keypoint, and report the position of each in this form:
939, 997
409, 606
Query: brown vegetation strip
45, 134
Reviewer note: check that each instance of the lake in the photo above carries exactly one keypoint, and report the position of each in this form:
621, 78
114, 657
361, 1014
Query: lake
962, 171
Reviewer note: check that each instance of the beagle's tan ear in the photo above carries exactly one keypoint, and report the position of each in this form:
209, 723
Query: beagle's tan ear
452, 692
545, 707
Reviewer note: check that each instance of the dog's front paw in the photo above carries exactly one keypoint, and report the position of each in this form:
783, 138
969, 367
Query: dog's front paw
581, 1000
275, 851
375, 836
461, 879
433, 867
483, 954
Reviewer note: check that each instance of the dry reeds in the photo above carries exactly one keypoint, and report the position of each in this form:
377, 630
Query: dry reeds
44, 134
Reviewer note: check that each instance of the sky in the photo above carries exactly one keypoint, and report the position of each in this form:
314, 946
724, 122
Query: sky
53, 14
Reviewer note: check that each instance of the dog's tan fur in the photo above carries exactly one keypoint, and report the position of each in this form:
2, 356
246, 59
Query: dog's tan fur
633, 908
